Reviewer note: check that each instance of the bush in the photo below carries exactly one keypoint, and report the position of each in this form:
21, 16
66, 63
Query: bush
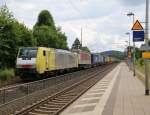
141, 62
6, 74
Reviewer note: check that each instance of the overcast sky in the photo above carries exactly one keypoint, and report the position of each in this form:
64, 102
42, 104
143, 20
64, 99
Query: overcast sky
104, 22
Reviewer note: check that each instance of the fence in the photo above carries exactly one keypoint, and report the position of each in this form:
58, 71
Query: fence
15, 92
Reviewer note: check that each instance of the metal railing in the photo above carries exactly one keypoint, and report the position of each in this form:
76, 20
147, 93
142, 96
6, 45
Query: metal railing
19, 91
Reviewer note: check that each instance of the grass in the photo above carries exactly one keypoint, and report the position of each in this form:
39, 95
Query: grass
6, 74
140, 67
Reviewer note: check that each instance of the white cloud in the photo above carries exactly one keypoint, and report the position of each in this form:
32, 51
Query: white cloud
99, 34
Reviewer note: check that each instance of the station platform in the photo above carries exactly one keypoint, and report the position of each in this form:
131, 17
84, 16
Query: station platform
118, 93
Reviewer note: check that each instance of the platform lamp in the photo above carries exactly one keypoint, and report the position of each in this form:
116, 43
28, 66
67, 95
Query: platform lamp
132, 14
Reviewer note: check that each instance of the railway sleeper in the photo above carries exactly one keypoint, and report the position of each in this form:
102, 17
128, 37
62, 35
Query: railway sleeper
65, 98
58, 101
61, 101
33, 113
41, 111
70, 93
48, 109
56, 104
53, 105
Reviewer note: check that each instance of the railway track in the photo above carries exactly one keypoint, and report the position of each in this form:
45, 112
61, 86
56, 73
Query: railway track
56, 103
15, 93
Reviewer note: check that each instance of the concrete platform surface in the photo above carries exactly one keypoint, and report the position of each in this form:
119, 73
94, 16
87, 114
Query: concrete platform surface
118, 93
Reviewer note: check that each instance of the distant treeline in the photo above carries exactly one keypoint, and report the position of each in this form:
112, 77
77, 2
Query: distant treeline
14, 35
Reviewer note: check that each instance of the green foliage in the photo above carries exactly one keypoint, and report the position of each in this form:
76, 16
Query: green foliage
76, 44
116, 54
45, 18
138, 54
85, 49
6, 74
46, 33
5, 13
12, 36
141, 61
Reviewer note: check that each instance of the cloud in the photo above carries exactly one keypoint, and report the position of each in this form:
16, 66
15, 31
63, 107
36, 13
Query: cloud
99, 34
132, 2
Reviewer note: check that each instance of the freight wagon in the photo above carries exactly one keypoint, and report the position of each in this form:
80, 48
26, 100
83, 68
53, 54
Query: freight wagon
84, 59
97, 59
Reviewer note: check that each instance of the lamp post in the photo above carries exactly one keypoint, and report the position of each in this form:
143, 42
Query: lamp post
132, 14
129, 39
146, 42
129, 51
81, 37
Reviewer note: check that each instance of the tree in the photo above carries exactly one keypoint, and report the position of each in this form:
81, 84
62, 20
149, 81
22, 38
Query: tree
62, 40
47, 34
5, 13
45, 18
12, 36
76, 44
85, 48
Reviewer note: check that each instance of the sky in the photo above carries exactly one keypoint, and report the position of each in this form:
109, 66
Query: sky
104, 23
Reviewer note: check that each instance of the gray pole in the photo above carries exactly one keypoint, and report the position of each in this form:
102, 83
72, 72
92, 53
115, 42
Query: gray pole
81, 36
146, 42
129, 50
133, 53
130, 53
129, 41
133, 58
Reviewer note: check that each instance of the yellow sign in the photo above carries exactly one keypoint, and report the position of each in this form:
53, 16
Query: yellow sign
129, 54
145, 54
137, 26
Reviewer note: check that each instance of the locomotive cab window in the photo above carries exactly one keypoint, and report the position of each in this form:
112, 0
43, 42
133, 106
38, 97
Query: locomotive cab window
27, 53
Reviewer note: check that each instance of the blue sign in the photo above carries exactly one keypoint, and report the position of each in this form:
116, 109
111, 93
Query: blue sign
138, 36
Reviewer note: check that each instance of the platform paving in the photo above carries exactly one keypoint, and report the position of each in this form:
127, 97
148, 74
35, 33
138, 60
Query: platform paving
118, 93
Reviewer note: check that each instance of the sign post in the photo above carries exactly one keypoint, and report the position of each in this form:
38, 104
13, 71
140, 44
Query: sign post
138, 35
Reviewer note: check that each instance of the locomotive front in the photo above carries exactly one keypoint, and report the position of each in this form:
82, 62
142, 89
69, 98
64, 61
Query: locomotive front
26, 62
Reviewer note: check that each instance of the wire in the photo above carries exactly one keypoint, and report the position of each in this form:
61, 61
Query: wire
75, 8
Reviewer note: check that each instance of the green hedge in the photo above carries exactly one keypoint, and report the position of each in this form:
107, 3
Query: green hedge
6, 74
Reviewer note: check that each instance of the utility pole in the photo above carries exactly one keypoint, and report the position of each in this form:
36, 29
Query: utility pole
146, 42
81, 37
133, 53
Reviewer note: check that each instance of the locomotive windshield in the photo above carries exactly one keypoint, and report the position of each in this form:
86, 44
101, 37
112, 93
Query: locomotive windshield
28, 53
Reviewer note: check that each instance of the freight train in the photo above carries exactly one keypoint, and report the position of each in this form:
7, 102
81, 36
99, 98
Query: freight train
35, 62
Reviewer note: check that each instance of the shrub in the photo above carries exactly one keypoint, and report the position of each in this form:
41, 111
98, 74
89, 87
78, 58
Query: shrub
6, 74
141, 61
